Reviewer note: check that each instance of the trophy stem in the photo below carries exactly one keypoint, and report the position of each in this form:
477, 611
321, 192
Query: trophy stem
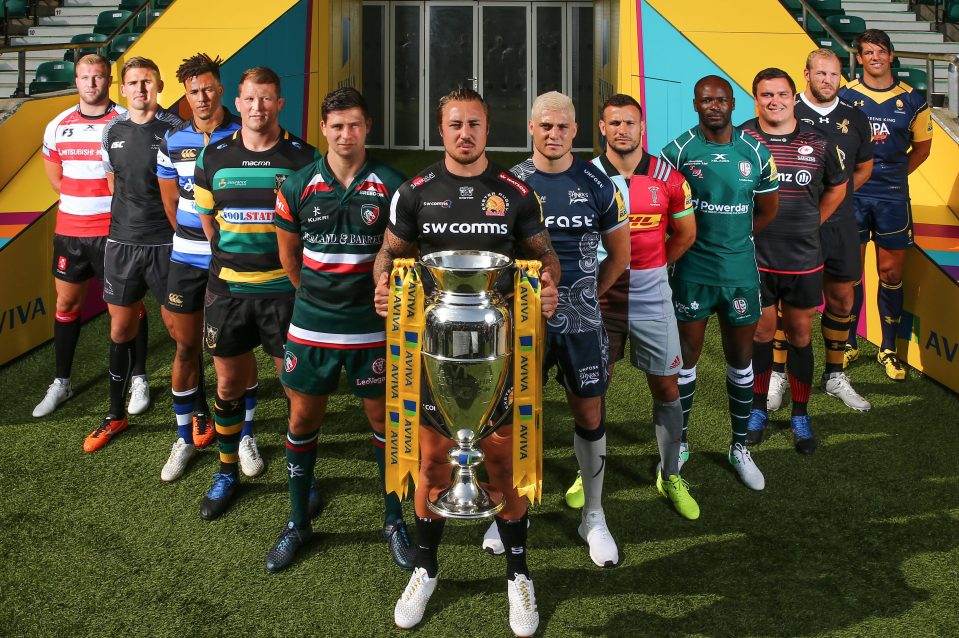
465, 498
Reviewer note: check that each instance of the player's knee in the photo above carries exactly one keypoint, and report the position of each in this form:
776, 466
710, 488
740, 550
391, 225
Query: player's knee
187, 353
665, 389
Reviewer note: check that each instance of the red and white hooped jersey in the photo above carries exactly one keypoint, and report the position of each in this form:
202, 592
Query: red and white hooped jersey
74, 141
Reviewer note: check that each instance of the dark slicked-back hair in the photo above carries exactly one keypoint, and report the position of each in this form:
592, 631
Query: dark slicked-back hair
619, 100
876, 37
199, 64
343, 99
139, 63
712, 78
772, 73
261, 75
462, 94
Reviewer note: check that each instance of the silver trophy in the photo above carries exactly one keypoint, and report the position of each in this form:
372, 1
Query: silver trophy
467, 353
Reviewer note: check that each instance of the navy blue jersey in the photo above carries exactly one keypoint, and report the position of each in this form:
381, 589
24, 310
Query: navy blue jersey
899, 116
176, 159
579, 205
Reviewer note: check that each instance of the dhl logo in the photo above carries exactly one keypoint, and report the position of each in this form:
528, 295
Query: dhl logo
644, 222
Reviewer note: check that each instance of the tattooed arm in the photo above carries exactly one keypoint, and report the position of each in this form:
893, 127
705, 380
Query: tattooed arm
539, 247
393, 248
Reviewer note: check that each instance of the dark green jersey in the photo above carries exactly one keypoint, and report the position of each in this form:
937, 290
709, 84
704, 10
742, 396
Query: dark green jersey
342, 230
238, 187
724, 179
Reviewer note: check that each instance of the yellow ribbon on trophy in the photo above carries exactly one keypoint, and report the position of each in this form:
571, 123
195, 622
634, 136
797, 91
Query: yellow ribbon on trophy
527, 381
404, 332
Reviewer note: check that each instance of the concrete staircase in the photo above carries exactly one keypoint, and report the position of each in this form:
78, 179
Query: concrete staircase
907, 32
73, 18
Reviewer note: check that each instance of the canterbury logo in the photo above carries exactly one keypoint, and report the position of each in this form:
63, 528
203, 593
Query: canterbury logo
188, 154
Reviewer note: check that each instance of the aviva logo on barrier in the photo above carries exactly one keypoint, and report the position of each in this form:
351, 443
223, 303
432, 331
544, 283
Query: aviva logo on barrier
21, 314
940, 344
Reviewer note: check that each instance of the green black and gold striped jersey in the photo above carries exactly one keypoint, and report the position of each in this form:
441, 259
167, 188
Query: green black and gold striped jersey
238, 188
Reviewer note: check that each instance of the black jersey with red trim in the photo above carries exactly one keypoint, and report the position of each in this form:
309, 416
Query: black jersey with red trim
807, 162
848, 128
493, 211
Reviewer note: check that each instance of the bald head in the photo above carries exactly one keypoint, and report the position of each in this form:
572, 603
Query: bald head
712, 81
713, 101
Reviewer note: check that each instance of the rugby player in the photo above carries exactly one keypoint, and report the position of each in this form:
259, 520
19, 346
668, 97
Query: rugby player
249, 297
847, 128
734, 184
137, 253
74, 167
639, 305
190, 259
478, 191
330, 218
581, 208
902, 134
812, 184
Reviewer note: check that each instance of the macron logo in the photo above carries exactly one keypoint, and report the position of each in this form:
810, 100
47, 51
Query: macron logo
117, 144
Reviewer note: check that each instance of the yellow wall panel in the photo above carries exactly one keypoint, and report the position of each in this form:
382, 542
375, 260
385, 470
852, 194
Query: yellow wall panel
22, 132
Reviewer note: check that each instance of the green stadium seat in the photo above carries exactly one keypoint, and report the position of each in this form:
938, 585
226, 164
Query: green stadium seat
130, 5
829, 43
951, 11
14, 8
827, 8
847, 26
72, 55
110, 21
161, 4
120, 44
791, 5
52, 76
145, 19
814, 29
916, 78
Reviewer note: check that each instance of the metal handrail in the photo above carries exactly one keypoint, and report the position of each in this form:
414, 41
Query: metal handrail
951, 58
22, 50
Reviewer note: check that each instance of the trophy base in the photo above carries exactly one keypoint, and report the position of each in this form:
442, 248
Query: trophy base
476, 504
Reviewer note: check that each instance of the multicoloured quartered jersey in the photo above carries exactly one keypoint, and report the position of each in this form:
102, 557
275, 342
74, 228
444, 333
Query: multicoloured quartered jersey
579, 205
342, 230
807, 163
74, 141
177, 160
847, 128
899, 116
238, 187
724, 179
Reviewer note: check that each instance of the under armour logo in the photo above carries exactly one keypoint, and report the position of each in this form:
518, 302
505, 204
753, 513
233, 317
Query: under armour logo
824, 120
859, 103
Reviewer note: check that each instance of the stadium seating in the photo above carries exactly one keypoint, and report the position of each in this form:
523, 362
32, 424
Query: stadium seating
916, 78
130, 5
52, 76
951, 11
161, 4
110, 21
827, 8
13, 9
120, 44
848, 27
145, 19
72, 55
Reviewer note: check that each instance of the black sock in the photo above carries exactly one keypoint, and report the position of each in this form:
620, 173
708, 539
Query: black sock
854, 313
121, 360
66, 333
800, 365
140, 351
890, 312
429, 532
513, 535
762, 370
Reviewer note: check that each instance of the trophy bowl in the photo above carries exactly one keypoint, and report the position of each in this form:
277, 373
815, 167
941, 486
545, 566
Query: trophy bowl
467, 340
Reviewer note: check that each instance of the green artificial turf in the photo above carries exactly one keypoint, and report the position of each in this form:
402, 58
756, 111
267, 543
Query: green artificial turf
861, 539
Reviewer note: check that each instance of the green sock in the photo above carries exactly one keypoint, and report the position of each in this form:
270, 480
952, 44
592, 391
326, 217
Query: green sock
687, 390
391, 502
739, 389
300, 463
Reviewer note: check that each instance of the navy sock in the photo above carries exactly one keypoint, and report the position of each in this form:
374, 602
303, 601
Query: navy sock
890, 312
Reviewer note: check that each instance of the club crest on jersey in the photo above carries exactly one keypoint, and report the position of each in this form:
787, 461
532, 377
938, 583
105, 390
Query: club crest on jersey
62, 264
805, 150
577, 197
740, 305
745, 168
843, 126
378, 366
278, 181
289, 361
653, 195
495, 205
370, 213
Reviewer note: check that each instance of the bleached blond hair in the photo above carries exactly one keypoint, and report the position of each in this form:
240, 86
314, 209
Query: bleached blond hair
553, 100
